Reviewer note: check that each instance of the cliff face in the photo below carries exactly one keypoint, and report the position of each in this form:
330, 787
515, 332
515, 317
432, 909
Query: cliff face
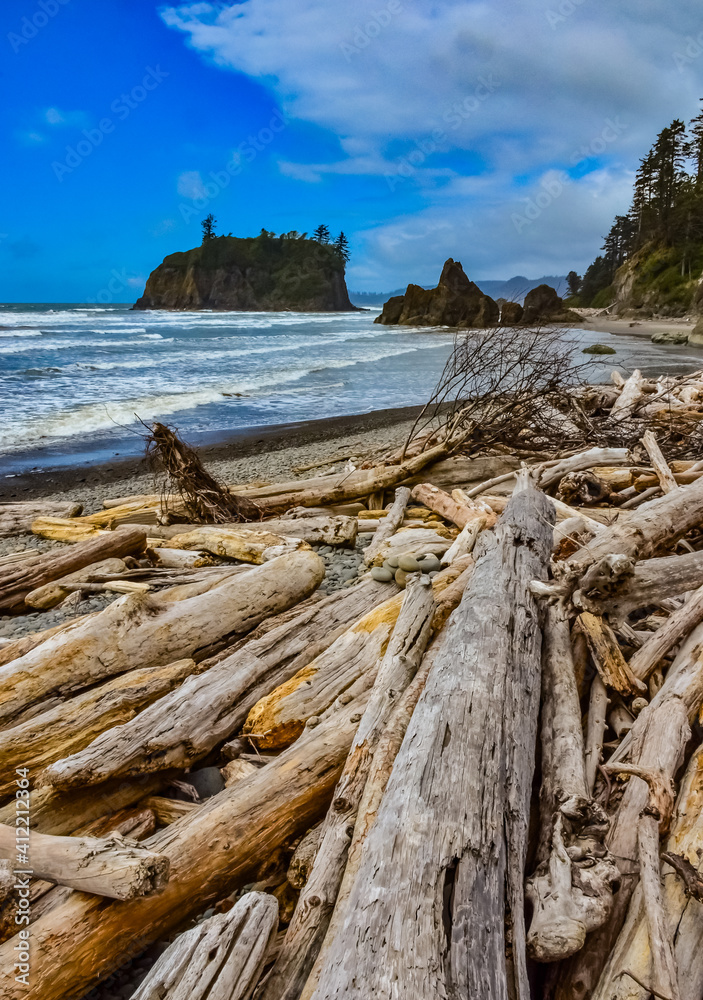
455, 301
259, 274
651, 283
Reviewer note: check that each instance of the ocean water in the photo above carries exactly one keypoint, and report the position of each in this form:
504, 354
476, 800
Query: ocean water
75, 381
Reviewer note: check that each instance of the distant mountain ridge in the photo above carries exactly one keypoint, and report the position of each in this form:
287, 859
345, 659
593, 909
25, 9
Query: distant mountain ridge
514, 289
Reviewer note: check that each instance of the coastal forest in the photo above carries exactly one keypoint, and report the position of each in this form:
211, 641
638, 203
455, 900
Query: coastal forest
660, 239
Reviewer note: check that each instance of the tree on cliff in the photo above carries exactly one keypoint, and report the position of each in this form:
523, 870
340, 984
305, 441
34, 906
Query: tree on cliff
321, 234
208, 224
341, 245
573, 283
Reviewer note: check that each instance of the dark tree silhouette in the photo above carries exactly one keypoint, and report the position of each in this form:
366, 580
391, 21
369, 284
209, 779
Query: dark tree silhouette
573, 283
321, 234
341, 245
208, 224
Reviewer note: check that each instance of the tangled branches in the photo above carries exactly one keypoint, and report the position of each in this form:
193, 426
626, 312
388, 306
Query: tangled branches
202, 496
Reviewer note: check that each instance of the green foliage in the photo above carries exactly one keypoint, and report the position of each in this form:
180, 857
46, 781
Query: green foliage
597, 278
604, 298
573, 283
341, 246
321, 234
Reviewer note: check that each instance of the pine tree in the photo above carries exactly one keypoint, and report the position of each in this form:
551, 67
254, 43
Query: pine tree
208, 224
573, 283
341, 245
321, 234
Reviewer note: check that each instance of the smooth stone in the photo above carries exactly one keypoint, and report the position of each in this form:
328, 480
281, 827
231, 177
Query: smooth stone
429, 563
401, 578
409, 564
392, 562
382, 574
207, 781
349, 574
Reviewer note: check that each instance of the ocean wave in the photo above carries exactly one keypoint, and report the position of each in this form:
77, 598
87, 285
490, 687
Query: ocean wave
61, 345
20, 333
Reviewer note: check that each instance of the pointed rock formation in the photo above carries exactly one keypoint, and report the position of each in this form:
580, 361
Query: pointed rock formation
455, 302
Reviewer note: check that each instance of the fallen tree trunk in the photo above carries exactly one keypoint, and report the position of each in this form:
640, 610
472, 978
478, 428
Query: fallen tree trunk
212, 852
652, 581
632, 392
583, 460
392, 521
630, 959
219, 959
17, 582
51, 594
17, 518
73, 725
109, 867
184, 726
460, 513
150, 630
426, 914
311, 918
248, 545
677, 627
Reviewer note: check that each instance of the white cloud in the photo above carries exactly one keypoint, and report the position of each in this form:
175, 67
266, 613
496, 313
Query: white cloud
505, 91
65, 119
190, 184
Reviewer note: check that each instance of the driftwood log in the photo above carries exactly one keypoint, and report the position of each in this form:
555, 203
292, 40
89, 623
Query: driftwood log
109, 867
17, 518
220, 959
390, 524
147, 630
426, 915
317, 899
18, 581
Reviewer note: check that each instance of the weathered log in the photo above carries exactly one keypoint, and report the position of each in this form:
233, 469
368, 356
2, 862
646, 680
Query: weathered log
392, 521
326, 529
248, 545
597, 709
381, 767
460, 513
684, 914
415, 541
149, 630
632, 392
17, 582
219, 959
51, 594
167, 810
184, 726
427, 911
74, 724
677, 626
607, 655
280, 717
16, 518
212, 852
304, 857
583, 460
662, 470
63, 529
659, 740
18, 647
311, 918
652, 581
465, 541
571, 891
62, 813
109, 867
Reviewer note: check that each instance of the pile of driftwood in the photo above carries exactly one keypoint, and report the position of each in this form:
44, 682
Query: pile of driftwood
481, 781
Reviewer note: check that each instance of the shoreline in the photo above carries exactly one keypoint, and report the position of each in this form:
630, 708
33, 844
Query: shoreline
247, 454
645, 328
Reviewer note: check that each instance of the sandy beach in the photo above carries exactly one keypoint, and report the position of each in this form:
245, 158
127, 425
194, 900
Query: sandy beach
600, 322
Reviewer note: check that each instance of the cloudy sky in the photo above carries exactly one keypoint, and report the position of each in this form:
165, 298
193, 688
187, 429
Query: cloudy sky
503, 134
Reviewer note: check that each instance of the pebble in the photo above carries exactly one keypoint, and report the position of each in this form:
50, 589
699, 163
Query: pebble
429, 563
401, 578
382, 574
392, 562
409, 564
349, 574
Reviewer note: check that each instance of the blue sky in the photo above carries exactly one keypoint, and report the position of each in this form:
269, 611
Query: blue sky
505, 135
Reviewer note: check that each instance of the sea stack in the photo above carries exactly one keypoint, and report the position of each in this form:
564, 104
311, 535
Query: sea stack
257, 274
455, 302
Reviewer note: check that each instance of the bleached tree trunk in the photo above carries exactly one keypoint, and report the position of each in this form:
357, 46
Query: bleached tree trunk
16, 518
317, 899
664, 473
426, 914
142, 631
111, 867
675, 628
589, 459
219, 959
631, 394
460, 513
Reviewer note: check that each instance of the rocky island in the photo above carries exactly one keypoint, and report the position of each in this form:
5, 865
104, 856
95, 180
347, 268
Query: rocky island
255, 274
